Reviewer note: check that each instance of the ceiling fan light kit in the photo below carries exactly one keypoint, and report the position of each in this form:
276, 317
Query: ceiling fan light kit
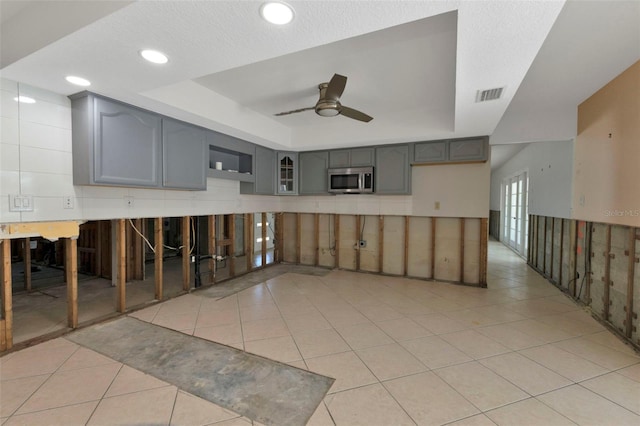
329, 104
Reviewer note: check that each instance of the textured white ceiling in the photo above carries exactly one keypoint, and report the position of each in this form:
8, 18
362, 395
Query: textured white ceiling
413, 65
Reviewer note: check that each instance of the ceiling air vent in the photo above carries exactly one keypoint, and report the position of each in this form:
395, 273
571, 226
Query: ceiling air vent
489, 94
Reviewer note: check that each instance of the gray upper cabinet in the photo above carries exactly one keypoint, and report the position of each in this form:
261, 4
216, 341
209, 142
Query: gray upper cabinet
473, 149
393, 171
184, 155
355, 157
287, 173
430, 152
264, 172
114, 143
313, 172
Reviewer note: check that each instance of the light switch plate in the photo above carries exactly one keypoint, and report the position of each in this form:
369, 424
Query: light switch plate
20, 203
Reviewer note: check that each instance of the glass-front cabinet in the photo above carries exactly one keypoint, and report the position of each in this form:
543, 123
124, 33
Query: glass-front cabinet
287, 173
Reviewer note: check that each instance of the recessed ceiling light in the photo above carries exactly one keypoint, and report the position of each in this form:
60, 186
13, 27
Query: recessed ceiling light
276, 12
154, 56
24, 100
78, 81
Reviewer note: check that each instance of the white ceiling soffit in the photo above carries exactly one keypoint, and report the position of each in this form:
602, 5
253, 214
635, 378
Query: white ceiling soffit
490, 44
590, 44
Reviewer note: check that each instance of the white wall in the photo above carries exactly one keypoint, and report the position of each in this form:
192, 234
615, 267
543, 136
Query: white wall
36, 159
550, 169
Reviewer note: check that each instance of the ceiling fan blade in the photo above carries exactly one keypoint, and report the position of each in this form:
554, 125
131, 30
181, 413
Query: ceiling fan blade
355, 114
336, 87
295, 111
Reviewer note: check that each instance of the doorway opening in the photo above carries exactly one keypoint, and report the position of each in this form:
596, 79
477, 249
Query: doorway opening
515, 207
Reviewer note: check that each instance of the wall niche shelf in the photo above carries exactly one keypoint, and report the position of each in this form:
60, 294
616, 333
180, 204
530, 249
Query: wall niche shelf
235, 165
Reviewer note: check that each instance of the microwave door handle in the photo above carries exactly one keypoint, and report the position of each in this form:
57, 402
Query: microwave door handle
360, 182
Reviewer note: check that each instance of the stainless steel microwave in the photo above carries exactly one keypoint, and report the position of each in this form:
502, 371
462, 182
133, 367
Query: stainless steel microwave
351, 180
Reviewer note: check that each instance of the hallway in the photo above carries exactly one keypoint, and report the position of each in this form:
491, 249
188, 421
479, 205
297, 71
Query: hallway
402, 351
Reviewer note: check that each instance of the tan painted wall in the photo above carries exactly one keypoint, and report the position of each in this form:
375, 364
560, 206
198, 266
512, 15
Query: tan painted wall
606, 178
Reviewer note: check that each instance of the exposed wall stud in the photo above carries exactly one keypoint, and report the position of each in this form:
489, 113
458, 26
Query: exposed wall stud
316, 239
121, 259
407, 223
380, 243
561, 251
263, 228
544, 247
232, 244
158, 239
553, 233
433, 247
358, 236
248, 238
298, 236
336, 242
607, 274
71, 271
186, 253
211, 244
6, 308
462, 220
573, 253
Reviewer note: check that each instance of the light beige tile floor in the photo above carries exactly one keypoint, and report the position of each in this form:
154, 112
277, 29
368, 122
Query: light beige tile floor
402, 351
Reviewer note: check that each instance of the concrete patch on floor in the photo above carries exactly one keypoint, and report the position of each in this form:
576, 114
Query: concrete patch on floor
263, 390
244, 282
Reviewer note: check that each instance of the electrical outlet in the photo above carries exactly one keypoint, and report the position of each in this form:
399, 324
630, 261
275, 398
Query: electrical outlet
67, 202
362, 243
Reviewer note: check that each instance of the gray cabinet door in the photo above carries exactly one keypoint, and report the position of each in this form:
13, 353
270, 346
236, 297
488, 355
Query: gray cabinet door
468, 149
392, 172
430, 152
184, 157
313, 172
127, 144
265, 163
340, 158
362, 157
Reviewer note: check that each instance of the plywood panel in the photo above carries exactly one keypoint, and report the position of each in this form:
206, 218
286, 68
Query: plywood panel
307, 239
471, 251
393, 262
347, 242
326, 241
370, 233
419, 257
447, 263
289, 231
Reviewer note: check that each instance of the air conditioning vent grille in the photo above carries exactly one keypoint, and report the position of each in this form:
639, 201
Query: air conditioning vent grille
489, 94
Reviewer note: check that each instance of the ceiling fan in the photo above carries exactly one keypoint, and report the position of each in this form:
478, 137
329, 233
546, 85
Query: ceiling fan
329, 103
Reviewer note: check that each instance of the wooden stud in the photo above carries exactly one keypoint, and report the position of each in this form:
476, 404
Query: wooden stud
336, 234
121, 259
186, 253
544, 257
158, 272
483, 252
248, 238
461, 244
211, 244
607, 274
573, 253
407, 226
560, 254
380, 243
537, 242
71, 270
278, 244
26, 257
553, 233
529, 241
630, 277
298, 236
6, 293
264, 239
47, 230
232, 245
98, 248
358, 235
316, 238
433, 247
